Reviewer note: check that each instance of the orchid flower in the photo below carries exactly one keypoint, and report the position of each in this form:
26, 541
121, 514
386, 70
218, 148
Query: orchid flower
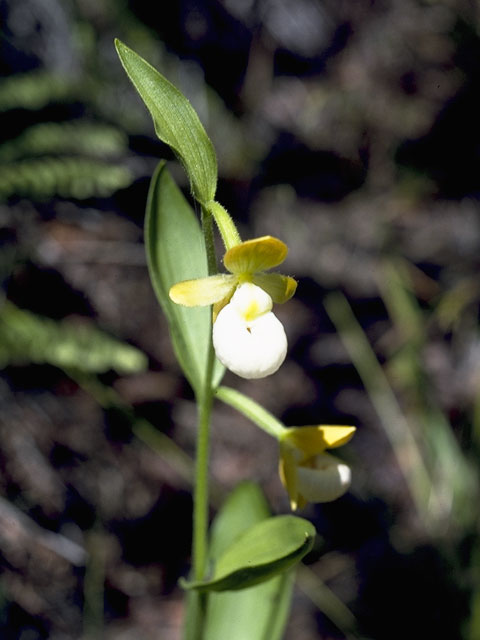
247, 337
306, 471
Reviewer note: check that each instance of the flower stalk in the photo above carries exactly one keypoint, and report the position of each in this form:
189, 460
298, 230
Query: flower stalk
225, 224
252, 410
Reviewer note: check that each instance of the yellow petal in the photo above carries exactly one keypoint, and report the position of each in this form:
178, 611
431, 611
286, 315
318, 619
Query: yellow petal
287, 469
279, 288
203, 291
255, 255
314, 440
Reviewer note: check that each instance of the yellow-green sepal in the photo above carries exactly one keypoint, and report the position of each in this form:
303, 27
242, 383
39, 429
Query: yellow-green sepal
202, 292
255, 255
280, 288
314, 440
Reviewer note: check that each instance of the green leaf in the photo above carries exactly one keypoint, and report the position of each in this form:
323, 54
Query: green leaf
259, 612
176, 122
175, 252
266, 549
244, 507
256, 613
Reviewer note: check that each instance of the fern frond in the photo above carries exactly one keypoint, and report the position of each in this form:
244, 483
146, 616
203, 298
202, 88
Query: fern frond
79, 137
29, 338
80, 178
35, 89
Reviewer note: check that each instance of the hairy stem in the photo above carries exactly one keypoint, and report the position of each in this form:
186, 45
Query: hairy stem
225, 224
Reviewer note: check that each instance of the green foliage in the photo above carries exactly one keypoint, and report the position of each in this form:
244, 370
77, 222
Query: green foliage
28, 338
175, 252
440, 477
264, 550
453, 479
176, 122
78, 137
258, 612
68, 177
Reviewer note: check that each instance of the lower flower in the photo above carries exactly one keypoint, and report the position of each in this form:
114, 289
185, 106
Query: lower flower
306, 471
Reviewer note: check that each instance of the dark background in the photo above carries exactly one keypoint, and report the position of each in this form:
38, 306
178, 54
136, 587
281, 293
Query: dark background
347, 129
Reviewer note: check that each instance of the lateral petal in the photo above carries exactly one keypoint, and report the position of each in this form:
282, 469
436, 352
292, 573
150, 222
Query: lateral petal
280, 288
255, 255
287, 469
218, 306
203, 291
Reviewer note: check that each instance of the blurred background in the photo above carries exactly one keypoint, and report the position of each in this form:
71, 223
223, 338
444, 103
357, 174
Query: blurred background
347, 129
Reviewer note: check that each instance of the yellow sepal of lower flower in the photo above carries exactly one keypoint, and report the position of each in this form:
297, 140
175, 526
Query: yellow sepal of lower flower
301, 447
310, 441
246, 262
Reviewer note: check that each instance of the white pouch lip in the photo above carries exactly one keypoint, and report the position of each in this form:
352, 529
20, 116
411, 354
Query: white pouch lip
252, 345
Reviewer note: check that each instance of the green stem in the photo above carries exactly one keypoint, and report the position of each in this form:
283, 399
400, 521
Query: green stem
207, 228
200, 495
225, 224
252, 410
200, 506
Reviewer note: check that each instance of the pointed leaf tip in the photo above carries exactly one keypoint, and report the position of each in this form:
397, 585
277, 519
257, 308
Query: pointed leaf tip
176, 122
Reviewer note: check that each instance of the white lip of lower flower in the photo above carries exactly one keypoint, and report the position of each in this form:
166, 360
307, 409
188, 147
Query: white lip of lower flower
248, 338
327, 479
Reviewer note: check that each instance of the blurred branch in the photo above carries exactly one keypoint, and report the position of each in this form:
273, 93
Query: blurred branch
19, 529
327, 602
